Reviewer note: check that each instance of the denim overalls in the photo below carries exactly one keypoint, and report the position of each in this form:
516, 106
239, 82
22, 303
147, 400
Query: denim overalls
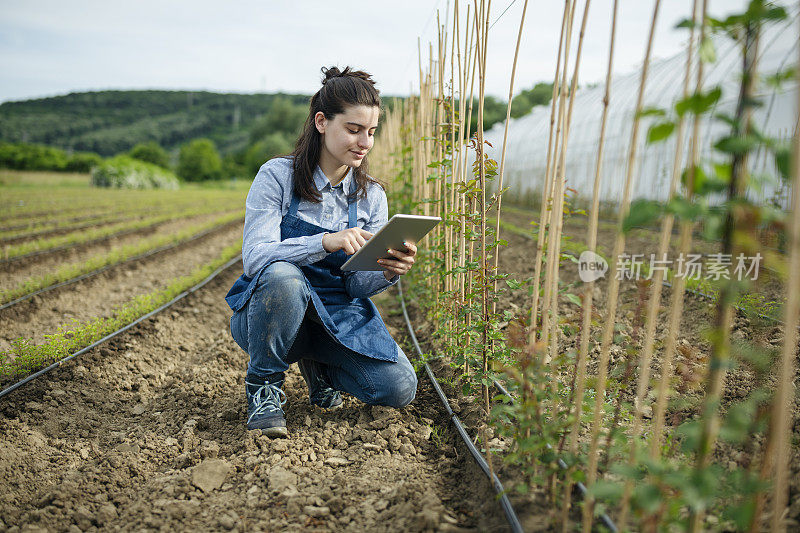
275, 325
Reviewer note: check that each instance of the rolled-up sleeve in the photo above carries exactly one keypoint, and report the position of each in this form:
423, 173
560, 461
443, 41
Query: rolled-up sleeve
366, 283
262, 244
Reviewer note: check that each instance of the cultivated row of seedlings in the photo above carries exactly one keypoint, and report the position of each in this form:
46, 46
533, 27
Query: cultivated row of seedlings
205, 211
607, 417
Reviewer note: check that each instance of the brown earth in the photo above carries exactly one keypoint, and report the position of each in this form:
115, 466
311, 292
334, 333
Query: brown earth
517, 260
99, 295
147, 433
14, 272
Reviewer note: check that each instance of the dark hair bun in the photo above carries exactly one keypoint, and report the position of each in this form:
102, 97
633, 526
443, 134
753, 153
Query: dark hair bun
334, 72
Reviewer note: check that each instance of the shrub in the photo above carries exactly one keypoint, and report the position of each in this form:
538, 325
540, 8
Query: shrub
151, 152
125, 172
83, 162
32, 157
199, 161
273, 145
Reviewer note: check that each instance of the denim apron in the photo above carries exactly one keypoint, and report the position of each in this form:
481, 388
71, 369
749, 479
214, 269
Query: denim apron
355, 323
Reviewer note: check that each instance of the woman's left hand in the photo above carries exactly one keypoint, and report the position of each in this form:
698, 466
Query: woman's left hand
402, 262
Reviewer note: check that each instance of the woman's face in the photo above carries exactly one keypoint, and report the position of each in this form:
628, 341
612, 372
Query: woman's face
348, 136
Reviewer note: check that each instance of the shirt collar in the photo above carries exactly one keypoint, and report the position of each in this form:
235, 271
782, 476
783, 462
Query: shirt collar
321, 180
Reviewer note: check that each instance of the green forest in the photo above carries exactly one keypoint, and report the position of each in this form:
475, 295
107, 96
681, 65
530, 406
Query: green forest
198, 135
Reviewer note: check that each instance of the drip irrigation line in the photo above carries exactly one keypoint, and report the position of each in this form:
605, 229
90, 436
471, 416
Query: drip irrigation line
100, 270
511, 516
82, 351
604, 518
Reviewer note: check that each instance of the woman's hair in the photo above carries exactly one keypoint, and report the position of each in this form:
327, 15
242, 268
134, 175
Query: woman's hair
340, 89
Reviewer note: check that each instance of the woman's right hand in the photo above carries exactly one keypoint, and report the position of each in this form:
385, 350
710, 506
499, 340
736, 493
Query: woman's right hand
350, 240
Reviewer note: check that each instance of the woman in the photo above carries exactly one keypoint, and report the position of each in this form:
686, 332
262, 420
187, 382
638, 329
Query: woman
305, 213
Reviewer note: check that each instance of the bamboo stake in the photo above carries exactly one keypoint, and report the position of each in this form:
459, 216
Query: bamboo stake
449, 248
557, 192
721, 345
783, 401
505, 142
613, 290
558, 211
654, 301
469, 209
679, 284
591, 238
546, 184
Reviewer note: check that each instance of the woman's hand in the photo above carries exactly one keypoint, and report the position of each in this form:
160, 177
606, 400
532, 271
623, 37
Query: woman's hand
350, 240
402, 262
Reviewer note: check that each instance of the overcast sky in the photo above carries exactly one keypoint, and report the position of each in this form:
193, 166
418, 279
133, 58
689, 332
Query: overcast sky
50, 47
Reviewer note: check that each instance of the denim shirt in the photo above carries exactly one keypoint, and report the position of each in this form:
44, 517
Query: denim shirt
268, 201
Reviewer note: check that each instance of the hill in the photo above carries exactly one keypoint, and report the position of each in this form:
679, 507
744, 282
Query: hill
110, 122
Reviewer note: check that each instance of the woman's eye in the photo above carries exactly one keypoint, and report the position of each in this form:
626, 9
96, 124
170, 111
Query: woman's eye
351, 131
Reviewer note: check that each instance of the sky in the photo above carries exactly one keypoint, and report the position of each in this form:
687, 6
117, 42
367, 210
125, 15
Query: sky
50, 47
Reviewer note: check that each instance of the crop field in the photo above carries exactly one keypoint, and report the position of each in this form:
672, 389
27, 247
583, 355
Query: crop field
646, 362
615, 356
138, 432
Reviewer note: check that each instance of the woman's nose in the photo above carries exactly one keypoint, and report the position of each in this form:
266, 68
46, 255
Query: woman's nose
364, 141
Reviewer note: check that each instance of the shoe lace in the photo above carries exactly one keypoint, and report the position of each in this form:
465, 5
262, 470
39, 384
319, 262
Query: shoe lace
326, 395
267, 398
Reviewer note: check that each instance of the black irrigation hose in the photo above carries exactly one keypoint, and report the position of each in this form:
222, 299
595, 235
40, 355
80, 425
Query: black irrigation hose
511, 516
179, 297
562, 465
107, 267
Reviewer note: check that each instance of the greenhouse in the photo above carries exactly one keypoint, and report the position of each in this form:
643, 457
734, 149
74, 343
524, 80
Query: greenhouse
526, 151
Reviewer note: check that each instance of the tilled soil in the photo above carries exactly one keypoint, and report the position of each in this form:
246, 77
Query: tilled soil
99, 295
694, 349
148, 433
17, 271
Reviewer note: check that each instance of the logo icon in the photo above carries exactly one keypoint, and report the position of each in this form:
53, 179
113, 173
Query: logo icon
591, 266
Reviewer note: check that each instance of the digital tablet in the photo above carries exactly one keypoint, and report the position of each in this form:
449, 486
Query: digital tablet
400, 228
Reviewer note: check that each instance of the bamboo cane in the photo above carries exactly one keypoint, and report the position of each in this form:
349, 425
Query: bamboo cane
656, 285
783, 400
679, 285
545, 186
721, 345
591, 239
613, 290
505, 142
557, 188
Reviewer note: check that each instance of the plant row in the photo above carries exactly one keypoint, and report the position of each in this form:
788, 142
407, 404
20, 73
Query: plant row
114, 257
25, 357
609, 397
80, 237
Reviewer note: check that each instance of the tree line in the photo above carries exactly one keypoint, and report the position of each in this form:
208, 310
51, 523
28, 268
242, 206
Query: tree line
198, 135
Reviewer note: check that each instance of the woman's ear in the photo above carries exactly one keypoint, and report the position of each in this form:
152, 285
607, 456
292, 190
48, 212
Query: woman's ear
320, 121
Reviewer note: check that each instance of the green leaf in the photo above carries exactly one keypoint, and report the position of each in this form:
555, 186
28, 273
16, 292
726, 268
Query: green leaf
700, 178
659, 132
513, 284
651, 112
698, 103
642, 212
684, 209
737, 145
783, 161
573, 298
708, 53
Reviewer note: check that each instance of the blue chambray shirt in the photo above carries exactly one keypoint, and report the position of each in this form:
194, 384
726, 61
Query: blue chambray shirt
268, 201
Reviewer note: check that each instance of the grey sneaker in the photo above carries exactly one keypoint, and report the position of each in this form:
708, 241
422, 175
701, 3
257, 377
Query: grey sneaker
320, 391
264, 407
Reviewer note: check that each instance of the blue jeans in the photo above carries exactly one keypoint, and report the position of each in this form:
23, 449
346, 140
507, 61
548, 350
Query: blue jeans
278, 327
